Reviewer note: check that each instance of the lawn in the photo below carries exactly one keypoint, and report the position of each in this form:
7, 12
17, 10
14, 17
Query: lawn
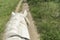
6, 7
47, 18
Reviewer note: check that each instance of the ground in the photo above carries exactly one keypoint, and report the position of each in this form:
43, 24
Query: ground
31, 27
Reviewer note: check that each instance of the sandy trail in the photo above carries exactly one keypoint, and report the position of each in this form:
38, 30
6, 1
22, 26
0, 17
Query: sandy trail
18, 6
32, 28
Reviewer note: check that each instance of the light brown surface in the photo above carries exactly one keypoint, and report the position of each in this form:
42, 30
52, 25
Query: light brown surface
31, 27
18, 6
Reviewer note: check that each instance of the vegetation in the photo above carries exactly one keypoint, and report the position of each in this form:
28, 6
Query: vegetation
6, 7
46, 13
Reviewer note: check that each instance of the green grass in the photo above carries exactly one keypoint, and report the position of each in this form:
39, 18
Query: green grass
6, 7
47, 18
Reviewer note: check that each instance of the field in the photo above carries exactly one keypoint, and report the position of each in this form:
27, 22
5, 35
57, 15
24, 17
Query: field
6, 7
46, 14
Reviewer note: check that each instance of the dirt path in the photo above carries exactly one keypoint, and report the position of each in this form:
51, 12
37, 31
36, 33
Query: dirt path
32, 28
18, 6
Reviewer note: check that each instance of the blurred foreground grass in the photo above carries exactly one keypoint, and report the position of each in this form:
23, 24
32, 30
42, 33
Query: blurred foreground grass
47, 18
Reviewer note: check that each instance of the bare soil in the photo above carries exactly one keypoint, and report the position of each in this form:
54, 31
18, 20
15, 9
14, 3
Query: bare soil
31, 27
